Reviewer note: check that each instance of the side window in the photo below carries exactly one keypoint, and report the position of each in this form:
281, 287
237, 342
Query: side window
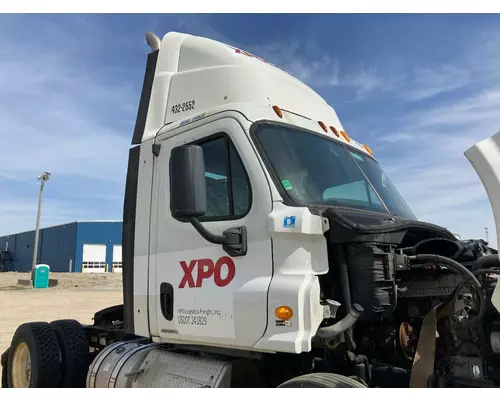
228, 188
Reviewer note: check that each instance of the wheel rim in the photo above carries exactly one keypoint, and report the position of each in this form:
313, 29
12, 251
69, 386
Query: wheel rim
21, 366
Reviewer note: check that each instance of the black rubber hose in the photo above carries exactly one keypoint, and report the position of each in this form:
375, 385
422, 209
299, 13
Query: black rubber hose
482, 296
452, 264
486, 262
346, 295
329, 332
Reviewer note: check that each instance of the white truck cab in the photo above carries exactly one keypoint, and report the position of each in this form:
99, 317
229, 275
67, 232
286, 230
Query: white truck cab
264, 246
271, 148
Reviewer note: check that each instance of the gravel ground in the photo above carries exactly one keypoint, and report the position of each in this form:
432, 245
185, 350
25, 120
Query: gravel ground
77, 296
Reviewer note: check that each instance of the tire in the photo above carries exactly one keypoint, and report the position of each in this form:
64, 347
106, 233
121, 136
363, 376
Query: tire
74, 348
35, 345
322, 380
3, 362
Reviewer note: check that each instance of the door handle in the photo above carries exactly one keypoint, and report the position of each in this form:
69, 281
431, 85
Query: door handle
167, 300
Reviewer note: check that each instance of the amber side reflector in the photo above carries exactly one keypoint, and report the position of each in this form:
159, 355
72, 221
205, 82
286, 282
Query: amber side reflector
346, 136
323, 126
368, 149
334, 130
284, 313
278, 111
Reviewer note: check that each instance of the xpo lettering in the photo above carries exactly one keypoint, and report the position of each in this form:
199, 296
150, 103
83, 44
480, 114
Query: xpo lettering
222, 272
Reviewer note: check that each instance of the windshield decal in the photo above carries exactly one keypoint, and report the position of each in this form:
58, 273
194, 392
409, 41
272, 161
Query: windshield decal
286, 184
356, 156
289, 222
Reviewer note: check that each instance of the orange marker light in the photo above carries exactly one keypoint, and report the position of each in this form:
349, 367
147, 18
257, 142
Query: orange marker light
323, 126
368, 149
335, 131
346, 136
284, 313
278, 111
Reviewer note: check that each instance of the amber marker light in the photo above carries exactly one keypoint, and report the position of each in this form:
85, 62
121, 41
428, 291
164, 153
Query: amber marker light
284, 313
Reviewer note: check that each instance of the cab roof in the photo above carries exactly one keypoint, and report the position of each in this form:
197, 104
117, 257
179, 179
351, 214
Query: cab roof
193, 75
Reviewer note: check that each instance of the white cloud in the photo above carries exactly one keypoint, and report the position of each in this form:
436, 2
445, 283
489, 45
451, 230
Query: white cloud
427, 162
291, 56
53, 111
430, 170
428, 82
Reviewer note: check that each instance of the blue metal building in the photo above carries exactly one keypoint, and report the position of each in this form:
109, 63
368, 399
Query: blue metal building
72, 247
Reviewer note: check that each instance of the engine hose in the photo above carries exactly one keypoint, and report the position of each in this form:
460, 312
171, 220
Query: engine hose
329, 332
452, 264
486, 262
482, 296
346, 295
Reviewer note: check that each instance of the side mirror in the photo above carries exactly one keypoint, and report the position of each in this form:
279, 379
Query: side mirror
188, 195
188, 198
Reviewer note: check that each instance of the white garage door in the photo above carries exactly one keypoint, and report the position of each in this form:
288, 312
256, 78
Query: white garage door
117, 258
94, 258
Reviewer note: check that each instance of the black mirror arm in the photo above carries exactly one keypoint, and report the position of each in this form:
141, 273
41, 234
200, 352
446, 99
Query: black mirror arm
207, 235
233, 240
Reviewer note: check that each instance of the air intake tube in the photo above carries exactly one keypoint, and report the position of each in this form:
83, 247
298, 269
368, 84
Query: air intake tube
329, 332
440, 246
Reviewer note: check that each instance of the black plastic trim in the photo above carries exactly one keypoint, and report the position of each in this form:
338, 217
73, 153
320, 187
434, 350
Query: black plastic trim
167, 300
128, 238
156, 149
233, 240
109, 314
147, 86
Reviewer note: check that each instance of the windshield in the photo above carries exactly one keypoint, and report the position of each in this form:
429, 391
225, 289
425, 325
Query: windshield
317, 170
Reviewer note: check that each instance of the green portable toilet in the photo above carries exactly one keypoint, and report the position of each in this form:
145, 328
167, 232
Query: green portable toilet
41, 276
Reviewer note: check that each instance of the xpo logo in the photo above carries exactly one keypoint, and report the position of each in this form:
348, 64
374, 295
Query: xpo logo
222, 272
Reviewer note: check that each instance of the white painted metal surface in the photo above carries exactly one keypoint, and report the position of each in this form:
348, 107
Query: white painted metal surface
94, 258
202, 88
299, 254
485, 158
146, 214
233, 312
196, 77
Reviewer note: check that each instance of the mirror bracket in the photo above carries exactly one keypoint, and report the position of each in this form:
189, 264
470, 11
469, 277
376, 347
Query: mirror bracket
237, 241
233, 240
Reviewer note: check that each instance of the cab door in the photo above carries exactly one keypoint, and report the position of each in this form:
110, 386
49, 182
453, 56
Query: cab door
202, 294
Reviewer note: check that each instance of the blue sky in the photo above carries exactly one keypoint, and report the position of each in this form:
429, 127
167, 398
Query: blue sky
418, 89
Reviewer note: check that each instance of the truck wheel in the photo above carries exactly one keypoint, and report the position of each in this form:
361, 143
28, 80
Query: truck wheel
74, 348
34, 357
322, 380
5, 383
3, 362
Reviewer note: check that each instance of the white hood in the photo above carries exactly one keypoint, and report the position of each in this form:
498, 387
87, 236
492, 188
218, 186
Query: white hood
485, 158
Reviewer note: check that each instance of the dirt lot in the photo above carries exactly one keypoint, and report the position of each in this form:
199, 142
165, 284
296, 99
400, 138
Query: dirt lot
77, 296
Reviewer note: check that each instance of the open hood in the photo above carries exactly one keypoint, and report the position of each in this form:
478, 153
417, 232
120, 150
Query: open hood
485, 158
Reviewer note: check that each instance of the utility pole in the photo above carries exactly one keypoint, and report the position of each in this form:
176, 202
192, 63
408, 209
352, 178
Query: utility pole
486, 232
42, 178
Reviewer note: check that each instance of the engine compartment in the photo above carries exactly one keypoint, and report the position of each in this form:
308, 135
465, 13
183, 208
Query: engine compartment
426, 318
